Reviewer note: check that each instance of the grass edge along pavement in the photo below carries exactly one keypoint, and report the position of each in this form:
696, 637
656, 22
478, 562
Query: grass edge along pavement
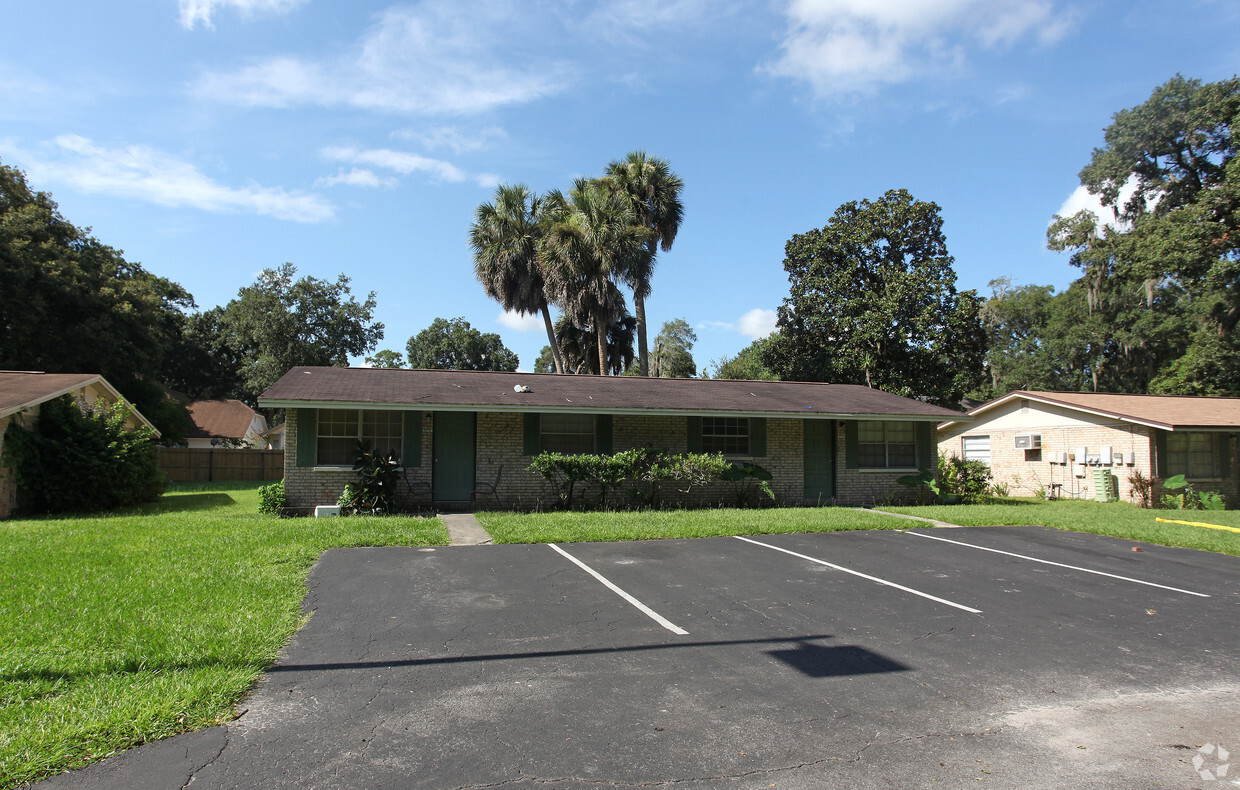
125, 627
613, 525
1113, 519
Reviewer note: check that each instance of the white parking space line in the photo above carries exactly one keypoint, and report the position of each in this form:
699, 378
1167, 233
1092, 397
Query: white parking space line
862, 575
646, 610
1060, 564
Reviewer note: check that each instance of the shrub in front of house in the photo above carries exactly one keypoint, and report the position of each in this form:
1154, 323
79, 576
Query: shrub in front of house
969, 480
81, 458
640, 471
271, 498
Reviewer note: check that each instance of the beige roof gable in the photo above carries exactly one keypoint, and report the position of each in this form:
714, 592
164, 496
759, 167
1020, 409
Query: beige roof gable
1168, 412
24, 389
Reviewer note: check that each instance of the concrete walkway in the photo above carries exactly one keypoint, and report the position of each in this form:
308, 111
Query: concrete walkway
464, 530
910, 518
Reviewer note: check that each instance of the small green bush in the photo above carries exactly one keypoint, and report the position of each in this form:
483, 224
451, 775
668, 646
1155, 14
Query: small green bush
969, 480
271, 498
82, 458
374, 490
644, 470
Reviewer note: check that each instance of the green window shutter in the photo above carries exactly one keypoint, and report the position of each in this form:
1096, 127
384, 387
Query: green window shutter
307, 436
852, 456
1224, 455
602, 434
925, 447
694, 434
757, 436
533, 437
1160, 452
411, 451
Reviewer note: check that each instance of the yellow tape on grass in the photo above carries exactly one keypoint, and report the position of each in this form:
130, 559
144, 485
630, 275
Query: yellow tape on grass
1198, 524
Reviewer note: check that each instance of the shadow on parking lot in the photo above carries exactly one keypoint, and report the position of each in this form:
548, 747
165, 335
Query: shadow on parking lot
813, 660
819, 661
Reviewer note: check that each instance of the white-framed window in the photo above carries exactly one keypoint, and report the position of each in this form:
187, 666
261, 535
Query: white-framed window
567, 433
727, 435
339, 431
977, 448
886, 445
1194, 455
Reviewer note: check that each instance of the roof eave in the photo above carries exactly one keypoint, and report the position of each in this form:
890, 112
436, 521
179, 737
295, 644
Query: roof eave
1063, 405
808, 414
97, 379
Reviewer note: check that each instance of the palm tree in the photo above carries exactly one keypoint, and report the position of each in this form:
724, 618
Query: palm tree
653, 192
590, 240
578, 339
506, 236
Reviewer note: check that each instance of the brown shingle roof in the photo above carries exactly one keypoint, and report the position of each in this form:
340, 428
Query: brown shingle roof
19, 388
225, 419
1171, 412
486, 391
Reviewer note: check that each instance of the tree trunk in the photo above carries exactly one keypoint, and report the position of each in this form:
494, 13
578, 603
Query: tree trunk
643, 360
600, 328
555, 344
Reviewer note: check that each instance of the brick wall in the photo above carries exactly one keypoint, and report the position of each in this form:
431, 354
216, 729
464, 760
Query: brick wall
8, 481
8, 489
499, 455
1027, 472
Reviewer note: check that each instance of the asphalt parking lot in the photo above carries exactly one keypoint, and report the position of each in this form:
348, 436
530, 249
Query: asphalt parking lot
1015, 657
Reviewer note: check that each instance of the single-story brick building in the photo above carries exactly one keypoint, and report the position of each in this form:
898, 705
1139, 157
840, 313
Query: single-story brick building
459, 431
23, 391
1051, 442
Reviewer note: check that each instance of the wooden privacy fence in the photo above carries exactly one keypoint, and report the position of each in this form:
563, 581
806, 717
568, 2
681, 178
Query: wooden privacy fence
208, 464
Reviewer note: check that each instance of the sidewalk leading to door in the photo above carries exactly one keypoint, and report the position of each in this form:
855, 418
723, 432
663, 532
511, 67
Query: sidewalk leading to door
464, 530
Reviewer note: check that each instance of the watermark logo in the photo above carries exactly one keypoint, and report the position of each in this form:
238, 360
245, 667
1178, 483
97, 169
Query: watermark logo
1211, 762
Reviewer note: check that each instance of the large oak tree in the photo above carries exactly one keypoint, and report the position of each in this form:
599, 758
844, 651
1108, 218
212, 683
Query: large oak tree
873, 301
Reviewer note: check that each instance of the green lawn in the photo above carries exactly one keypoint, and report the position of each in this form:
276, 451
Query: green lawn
1117, 519
645, 525
131, 626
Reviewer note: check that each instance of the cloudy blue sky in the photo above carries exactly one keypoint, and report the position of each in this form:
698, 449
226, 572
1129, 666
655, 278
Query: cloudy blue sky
210, 139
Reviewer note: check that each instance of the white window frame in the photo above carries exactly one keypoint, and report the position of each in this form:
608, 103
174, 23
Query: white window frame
731, 436
1184, 464
570, 434
383, 442
975, 454
886, 444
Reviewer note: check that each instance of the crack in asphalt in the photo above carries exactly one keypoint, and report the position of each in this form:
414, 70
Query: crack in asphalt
210, 760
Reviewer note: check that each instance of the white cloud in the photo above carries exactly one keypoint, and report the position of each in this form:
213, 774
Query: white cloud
630, 22
843, 47
438, 57
142, 173
401, 162
522, 323
357, 177
488, 180
757, 323
451, 137
195, 11
1082, 200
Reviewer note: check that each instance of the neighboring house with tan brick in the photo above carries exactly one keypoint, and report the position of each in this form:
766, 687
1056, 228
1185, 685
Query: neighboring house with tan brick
225, 421
1051, 442
459, 432
22, 392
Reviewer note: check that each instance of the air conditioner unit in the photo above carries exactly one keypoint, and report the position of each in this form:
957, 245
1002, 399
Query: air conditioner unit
1028, 441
